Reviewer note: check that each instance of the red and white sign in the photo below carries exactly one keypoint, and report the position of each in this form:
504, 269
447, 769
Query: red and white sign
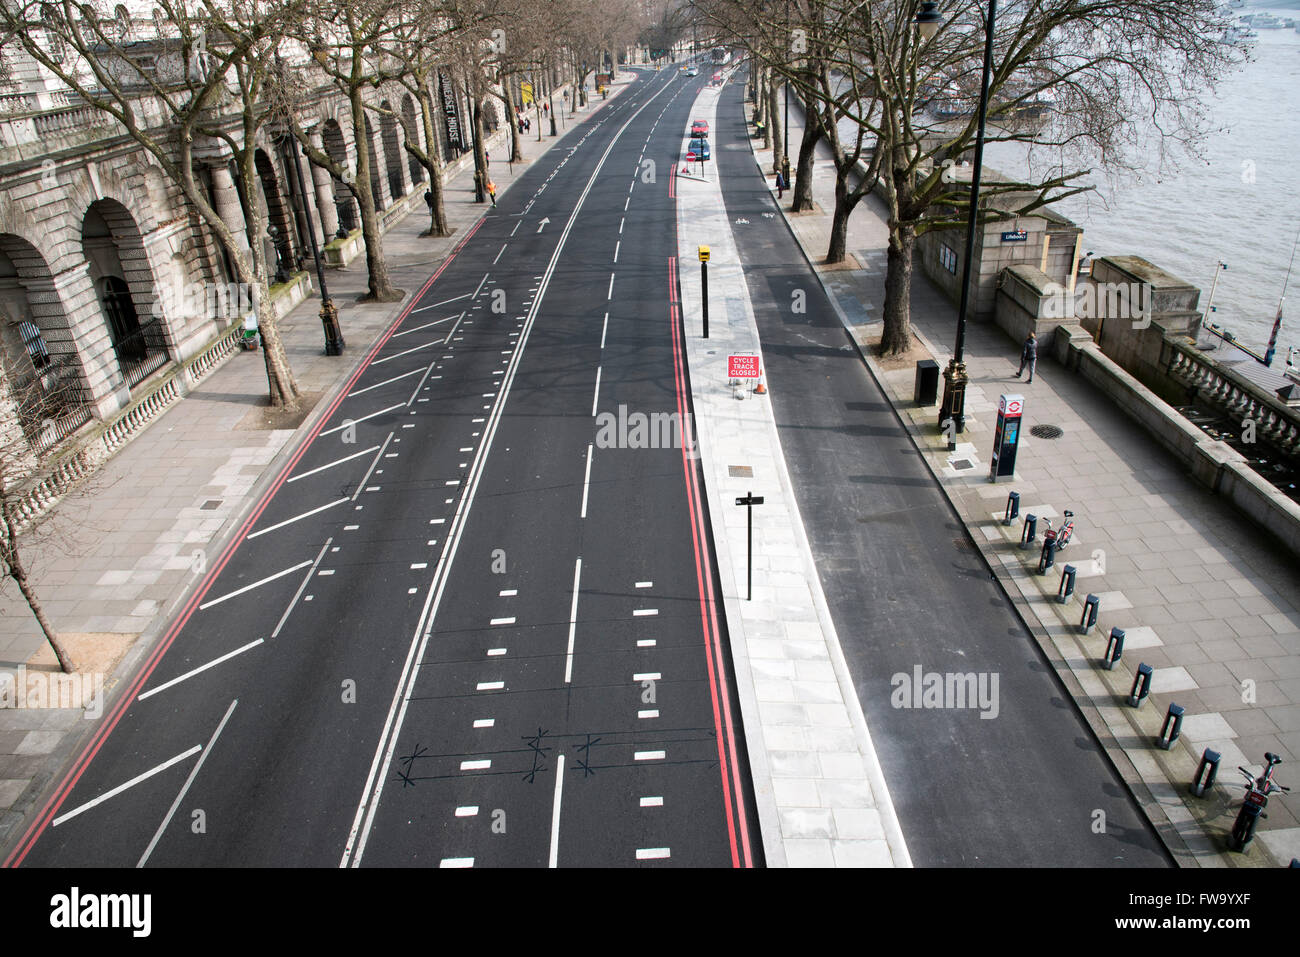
1011, 405
690, 156
743, 367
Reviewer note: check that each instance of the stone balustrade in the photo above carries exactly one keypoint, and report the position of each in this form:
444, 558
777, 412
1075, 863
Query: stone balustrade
1230, 392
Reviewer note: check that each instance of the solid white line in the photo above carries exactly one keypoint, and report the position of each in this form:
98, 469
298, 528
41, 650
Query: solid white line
475, 765
367, 476
384, 383
642, 612
573, 621
653, 853
453, 332
347, 422
122, 787
256, 584
610, 294
468, 811
502, 621
645, 643
555, 811
652, 802
190, 674
649, 755
418, 565
620, 225
503, 249
603, 329
456, 862
490, 686
586, 484
629, 199
652, 713
407, 332
644, 584
648, 676
385, 748
406, 352
595, 396
297, 518
509, 593
302, 588
185, 788
496, 652
480, 286
443, 303
617, 243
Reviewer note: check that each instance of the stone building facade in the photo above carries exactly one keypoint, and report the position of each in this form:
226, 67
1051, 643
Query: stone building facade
108, 278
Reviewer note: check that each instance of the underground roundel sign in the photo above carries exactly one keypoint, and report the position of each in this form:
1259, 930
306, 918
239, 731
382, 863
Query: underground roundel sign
742, 367
1011, 405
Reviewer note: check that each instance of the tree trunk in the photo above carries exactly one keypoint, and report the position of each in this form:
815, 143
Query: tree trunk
803, 180
438, 210
381, 288
774, 128
845, 203
897, 337
14, 568
284, 389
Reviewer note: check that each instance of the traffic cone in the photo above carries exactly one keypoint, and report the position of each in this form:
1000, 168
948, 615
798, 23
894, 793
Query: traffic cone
760, 389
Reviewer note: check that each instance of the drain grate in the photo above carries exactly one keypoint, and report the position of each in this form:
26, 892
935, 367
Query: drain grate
1047, 432
962, 464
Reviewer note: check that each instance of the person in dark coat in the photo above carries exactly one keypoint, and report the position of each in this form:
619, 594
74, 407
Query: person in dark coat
1028, 357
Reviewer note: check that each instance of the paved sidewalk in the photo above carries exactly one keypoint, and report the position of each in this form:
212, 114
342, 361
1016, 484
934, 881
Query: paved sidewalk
1201, 597
820, 790
119, 554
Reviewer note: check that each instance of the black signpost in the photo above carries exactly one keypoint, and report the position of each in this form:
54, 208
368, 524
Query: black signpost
749, 501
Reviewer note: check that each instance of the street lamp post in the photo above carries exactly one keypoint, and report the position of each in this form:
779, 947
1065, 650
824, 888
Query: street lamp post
785, 132
955, 378
329, 316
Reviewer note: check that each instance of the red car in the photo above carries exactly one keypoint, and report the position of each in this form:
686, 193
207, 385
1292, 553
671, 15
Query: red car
699, 128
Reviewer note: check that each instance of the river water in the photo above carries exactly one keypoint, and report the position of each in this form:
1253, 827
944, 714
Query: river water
1240, 204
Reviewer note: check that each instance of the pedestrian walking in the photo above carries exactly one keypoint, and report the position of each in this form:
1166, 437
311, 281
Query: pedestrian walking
428, 199
487, 160
780, 185
1028, 357
492, 192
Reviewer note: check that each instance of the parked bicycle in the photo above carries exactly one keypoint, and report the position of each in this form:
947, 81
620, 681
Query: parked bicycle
1252, 809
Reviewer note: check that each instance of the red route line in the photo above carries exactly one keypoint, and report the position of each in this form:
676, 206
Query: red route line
37, 827
736, 818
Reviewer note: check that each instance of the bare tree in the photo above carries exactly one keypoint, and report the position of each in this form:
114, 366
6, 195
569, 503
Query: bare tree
27, 408
1107, 68
204, 89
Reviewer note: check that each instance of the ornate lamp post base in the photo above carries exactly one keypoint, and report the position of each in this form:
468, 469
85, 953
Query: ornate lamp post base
954, 400
329, 318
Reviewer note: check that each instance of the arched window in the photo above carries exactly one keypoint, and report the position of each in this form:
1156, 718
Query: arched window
123, 321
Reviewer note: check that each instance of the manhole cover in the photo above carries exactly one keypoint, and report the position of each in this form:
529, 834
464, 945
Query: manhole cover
1046, 432
210, 504
963, 464
740, 471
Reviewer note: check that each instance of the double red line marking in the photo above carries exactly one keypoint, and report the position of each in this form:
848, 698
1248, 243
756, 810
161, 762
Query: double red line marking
724, 725
70, 779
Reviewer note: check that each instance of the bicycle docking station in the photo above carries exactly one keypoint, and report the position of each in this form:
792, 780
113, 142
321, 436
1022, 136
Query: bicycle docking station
1091, 606
1013, 508
1141, 686
1114, 649
1029, 531
1047, 557
1207, 772
1172, 727
1066, 588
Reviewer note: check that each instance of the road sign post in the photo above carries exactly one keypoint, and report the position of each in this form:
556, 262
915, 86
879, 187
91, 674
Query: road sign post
704, 286
749, 501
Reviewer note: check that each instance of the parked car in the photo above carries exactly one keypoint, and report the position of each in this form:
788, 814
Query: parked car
700, 147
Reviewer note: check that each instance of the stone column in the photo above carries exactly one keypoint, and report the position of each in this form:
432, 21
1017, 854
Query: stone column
309, 182
324, 190
227, 203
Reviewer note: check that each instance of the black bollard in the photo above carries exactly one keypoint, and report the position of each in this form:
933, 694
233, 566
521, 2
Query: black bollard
1114, 648
1141, 686
1206, 772
1172, 727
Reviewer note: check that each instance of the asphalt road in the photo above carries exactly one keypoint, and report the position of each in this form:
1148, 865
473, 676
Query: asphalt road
458, 630
1028, 785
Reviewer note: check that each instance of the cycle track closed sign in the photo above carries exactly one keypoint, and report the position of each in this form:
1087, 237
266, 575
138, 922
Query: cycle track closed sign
742, 367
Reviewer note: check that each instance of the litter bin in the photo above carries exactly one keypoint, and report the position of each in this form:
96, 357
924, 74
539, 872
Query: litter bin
926, 391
